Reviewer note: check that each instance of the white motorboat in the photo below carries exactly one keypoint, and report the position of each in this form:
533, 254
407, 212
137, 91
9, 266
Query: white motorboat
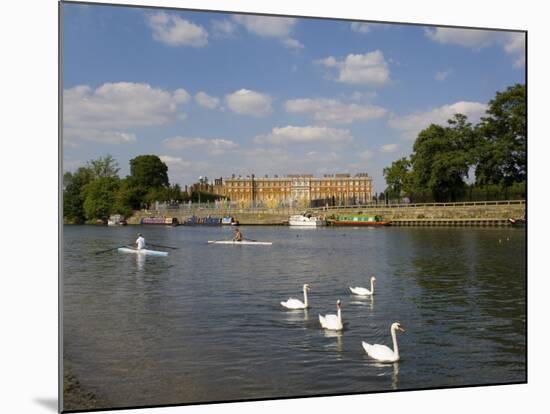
306, 220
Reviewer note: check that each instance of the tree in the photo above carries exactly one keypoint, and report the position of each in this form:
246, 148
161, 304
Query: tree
73, 196
502, 149
441, 159
100, 197
104, 167
148, 171
398, 177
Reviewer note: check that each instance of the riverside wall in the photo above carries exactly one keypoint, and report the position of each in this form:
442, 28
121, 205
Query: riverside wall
484, 213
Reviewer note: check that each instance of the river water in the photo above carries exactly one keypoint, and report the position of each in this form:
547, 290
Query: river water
205, 323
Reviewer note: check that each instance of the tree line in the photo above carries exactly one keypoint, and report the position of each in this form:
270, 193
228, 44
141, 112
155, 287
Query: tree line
461, 161
95, 191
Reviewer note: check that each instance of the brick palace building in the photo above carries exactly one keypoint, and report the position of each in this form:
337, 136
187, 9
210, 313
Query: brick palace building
296, 190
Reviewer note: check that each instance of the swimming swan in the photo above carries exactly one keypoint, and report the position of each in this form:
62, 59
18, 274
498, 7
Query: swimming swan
292, 303
363, 291
384, 353
333, 322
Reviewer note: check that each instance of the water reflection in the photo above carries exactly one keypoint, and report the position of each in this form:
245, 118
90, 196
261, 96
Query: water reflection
140, 261
296, 315
394, 372
339, 336
363, 301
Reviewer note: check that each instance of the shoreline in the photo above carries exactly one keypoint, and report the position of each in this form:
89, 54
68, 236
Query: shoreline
75, 395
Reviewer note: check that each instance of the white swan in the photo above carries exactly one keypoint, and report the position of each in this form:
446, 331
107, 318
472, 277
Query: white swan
333, 322
363, 291
292, 303
384, 353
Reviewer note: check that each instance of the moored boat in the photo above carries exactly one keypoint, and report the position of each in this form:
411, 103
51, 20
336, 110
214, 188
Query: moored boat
359, 220
142, 251
229, 220
170, 221
116, 220
306, 220
204, 221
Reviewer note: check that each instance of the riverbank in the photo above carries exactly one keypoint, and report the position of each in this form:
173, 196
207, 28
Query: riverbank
433, 214
75, 396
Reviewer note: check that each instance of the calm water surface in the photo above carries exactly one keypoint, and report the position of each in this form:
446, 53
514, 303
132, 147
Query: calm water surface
205, 324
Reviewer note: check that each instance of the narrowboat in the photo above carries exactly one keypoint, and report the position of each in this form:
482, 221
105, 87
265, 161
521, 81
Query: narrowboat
167, 221
204, 221
359, 220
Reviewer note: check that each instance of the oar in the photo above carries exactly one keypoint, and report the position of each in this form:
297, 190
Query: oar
251, 240
108, 250
160, 245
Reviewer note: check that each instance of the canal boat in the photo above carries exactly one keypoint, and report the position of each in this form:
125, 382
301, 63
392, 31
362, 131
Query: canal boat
167, 221
359, 220
204, 221
306, 220
146, 252
241, 243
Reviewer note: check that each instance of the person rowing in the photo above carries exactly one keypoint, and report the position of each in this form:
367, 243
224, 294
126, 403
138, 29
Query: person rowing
238, 236
140, 242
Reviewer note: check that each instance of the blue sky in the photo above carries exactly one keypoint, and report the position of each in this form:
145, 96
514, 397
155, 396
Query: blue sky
217, 93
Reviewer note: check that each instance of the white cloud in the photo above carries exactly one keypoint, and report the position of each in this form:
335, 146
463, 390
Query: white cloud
172, 30
360, 27
512, 43
292, 43
267, 26
120, 105
183, 171
305, 135
368, 69
247, 102
389, 148
215, 146
363, 96
207, 101
71, 135
410, 125
271, 27
366, 155
223, 27
516, 46
440, 76
331, 110
107, 113
471, 38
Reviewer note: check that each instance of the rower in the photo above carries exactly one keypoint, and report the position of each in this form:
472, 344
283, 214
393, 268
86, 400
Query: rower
238, 236
140, 242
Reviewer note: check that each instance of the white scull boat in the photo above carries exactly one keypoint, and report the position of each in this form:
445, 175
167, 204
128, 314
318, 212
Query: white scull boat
142, 251
239, 243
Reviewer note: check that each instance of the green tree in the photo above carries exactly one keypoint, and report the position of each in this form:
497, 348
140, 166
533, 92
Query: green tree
148, 171
99, 198
123, 199
502, 149
73, 195
398, 178
104, 167
441, 159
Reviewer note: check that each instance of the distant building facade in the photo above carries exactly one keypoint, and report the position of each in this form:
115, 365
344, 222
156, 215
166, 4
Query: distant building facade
296, 190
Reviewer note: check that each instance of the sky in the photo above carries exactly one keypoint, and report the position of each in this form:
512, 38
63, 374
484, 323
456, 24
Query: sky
215, 94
